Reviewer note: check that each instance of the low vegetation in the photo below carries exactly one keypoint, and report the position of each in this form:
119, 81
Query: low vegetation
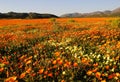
60, 50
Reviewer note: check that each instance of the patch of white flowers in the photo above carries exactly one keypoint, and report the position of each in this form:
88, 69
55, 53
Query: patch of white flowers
78, 52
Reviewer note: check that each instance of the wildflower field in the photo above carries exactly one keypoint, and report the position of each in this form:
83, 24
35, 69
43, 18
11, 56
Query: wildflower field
60, 50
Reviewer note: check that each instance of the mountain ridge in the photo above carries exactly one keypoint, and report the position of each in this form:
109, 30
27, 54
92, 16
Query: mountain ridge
34, 15
31, 15
106, 13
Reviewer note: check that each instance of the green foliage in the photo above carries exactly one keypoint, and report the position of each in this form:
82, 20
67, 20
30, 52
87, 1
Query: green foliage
71, 20
56, 27
115, 23
53, 19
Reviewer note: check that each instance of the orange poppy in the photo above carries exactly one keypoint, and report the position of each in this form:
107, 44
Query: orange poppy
30, 57
55, 66
28, 70
28, 62
50, 75
23, 75
103, 81
54, 62
95, 70
89, 72
95, 65
58, 59
60, 62
111, 76
1, 69
33, 74
84, 60
11, 79
107, 67
44, 76
65, 65
98, 75
75, 64
62, 80
6, 62
57, 53
46, 72
68, 63
41, 71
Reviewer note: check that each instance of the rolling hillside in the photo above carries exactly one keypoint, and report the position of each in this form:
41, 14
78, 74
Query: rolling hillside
106, 13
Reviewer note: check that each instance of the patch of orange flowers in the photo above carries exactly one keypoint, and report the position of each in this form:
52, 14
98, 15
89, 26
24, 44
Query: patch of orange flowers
43, 50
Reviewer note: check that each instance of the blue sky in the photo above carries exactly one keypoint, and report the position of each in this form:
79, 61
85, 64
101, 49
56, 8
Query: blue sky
58, 7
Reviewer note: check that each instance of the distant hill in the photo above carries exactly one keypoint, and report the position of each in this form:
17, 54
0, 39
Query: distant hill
32, 15
107, 13
117, 10
14, 15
